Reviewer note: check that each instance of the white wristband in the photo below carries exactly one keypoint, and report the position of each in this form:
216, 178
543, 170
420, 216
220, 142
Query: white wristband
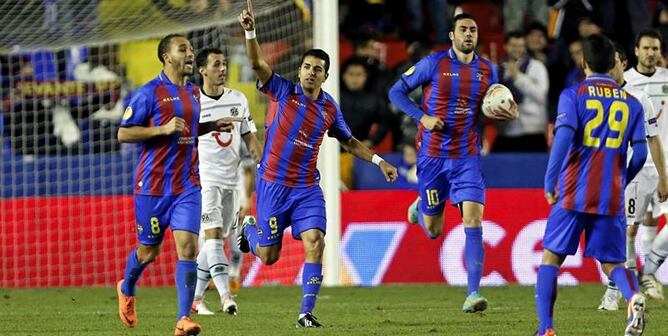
250, 34
376, 159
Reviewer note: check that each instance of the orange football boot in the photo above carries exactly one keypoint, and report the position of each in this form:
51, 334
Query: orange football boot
186, 326
126, 307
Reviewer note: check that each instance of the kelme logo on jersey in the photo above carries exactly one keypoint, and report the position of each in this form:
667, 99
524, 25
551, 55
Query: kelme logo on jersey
234, 111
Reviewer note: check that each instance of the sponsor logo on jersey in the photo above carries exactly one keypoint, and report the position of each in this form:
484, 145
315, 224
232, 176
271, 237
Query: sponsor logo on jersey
479, 75
234, 111
186, 140
451, 74
651, 121
128, 113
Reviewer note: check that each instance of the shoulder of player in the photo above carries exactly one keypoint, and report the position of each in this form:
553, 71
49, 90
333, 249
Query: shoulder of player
486, 61
236, 94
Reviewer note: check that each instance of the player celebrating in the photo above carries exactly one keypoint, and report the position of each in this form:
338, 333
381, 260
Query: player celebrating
586, 172
163, 116
640, 192
220, 156
288, 193
454, 83
647, 76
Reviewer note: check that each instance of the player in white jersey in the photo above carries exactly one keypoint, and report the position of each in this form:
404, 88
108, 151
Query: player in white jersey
219, 160
653, 80
650, 185
643, 195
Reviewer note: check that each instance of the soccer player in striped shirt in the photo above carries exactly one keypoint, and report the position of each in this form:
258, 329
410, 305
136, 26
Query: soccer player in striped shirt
585, 180
454, 83
163, 116
288, 193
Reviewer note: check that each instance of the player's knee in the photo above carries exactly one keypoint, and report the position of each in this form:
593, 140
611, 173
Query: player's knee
472, 221
632, 231
434, 229
147, 254
314, 247
269, 258
215, 233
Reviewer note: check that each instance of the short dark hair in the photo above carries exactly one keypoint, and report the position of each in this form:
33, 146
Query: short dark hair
651, 33
460, 16
599, 53
317, 53
513, 35
164, 44
621, 52
354, 61
203, 55
535, 25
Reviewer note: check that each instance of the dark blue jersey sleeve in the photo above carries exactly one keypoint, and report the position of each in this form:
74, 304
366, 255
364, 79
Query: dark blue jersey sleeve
138, 111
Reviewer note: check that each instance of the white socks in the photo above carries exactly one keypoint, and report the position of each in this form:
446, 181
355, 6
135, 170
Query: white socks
647, 238
630, 252
218, 264
657, 255
203, 275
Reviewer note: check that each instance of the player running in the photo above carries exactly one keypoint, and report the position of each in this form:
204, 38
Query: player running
454, 83
288, 193
596, 121
163, 116
220, 158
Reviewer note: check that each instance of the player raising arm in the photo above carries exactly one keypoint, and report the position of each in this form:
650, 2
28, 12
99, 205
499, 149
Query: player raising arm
288, 193
584, 181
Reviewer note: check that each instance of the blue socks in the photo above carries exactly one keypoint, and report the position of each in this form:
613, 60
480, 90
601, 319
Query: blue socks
250, 232
133, 270
311, 280
546, 295
421, 221
474, 255
626, 281
186, 279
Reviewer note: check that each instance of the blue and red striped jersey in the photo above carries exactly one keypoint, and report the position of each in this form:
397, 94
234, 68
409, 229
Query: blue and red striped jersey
605, 119
294, 128
167, 165
452, 91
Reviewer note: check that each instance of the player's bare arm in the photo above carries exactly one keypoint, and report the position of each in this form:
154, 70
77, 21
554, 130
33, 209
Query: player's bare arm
221, 125
253, 51
253, 145
358, 149
141, 133
656, 150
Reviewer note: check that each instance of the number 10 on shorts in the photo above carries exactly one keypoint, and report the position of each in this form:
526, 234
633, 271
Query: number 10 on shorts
432, 197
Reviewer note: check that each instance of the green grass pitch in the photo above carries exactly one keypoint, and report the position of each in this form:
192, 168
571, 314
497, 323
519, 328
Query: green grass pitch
385, 310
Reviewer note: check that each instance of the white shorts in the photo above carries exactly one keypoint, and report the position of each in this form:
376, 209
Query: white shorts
220, 208
640, 196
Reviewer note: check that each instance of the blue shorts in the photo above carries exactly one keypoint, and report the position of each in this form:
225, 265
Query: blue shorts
605, 236
154, 213
440, 179
279, 206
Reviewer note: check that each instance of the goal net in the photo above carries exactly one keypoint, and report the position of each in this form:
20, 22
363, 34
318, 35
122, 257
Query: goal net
67, 71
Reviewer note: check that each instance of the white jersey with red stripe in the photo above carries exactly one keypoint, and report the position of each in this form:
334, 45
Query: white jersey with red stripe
220, 152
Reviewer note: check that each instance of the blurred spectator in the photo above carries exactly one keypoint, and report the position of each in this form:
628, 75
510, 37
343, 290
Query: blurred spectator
369, 50
365, 111
407, 168
439, 15
537, 42
515, 12
402, 126
528, 80
576, 74
587, 27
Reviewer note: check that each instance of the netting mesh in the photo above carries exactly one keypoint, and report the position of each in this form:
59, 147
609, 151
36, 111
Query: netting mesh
67, 71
